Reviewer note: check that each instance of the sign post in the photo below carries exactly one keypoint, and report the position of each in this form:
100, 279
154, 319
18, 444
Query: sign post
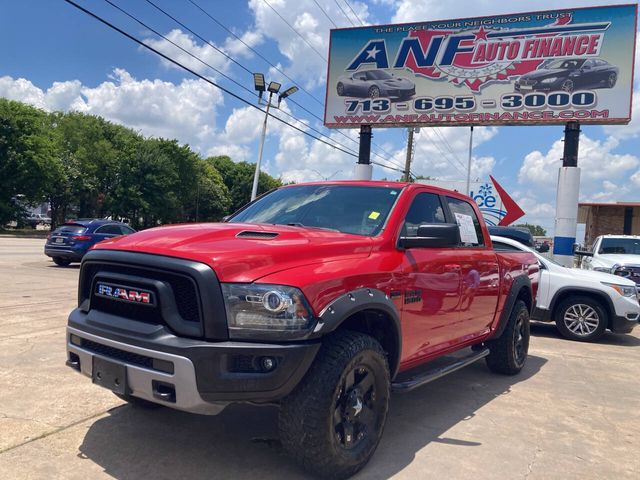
567, 197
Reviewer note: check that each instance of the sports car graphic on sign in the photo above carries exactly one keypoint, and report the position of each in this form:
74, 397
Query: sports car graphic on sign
569, 74
374, 84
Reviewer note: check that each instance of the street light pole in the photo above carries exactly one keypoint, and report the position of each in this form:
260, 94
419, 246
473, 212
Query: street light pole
256, 176
274, 87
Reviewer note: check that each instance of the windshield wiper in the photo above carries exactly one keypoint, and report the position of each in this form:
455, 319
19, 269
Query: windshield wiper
298, 224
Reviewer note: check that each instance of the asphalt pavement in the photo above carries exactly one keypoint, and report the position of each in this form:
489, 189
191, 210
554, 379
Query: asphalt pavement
574, 411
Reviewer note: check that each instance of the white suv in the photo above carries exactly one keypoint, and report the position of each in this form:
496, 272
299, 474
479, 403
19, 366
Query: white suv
582, 303
617, 254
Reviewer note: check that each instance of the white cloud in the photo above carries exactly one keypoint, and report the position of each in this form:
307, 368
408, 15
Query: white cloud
203, 51
306, 58
596, 159
186, 111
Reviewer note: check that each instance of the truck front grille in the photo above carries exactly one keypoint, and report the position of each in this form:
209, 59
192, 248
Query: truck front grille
184, 292
632, 272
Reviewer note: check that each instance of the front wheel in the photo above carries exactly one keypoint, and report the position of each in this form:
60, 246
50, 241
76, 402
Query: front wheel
611, 80
508, 353
581, 318
567, 86
333, 421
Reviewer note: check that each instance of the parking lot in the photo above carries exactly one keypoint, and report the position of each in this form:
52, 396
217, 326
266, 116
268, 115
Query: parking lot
574, 412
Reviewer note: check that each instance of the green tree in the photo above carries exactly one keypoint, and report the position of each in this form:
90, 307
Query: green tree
238, 177
27, 149
535, 230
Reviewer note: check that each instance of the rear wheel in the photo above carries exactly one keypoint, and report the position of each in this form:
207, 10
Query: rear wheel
61, 262
332, 422
508, 353
581, 318
340, 89
374, 92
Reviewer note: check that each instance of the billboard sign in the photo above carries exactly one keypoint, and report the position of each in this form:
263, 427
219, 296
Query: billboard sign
529, 68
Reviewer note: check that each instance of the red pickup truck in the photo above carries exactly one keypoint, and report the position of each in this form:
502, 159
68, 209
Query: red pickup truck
321, 298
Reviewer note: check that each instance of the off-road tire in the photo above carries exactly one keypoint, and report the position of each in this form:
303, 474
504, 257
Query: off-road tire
139, 403
307, 421
61, 262
508, 352
563, 328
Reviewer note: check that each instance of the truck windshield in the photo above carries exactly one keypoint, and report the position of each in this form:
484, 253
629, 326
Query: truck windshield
628, 246
343, 208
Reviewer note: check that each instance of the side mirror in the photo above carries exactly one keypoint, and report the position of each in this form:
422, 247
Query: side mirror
226, 218
436, 235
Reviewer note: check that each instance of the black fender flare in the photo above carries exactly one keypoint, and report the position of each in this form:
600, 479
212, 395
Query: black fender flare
520, 282
350, 303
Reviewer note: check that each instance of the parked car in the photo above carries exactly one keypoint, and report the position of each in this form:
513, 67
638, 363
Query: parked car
569, 74
520, 234
38, 219
319, 297
616, 254
71, 241
374, 84
582, 303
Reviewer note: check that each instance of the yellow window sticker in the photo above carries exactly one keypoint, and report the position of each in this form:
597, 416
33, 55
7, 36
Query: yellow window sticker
374, 215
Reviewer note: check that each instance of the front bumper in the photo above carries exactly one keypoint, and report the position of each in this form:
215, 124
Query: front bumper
186, 374
620, 324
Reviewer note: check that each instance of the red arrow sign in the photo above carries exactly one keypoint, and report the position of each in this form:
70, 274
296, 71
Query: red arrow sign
514, 212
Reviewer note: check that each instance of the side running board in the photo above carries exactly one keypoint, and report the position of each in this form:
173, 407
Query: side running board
437, 372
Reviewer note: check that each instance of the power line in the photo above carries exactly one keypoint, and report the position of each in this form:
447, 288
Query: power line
202, 77
344, 13
140, 22
444, 156
295, 30
354, 12
272, 65
195, 4
326, 14
444, 139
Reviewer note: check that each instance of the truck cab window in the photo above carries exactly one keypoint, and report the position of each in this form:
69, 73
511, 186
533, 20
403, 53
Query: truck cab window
425, 209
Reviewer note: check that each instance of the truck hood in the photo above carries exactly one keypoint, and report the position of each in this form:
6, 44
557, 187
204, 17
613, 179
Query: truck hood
244, 252
611, 259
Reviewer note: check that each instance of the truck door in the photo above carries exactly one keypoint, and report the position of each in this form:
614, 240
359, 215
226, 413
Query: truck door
431, 284
479, 270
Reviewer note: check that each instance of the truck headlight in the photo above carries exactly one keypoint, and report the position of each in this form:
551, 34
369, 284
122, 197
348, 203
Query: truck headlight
602, 269
261, 311
624, 290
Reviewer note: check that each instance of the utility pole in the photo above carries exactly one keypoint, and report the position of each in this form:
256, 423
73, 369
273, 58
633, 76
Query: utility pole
407, 163
567, 197
469, 162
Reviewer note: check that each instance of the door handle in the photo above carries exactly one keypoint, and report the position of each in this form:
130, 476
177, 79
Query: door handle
452, 268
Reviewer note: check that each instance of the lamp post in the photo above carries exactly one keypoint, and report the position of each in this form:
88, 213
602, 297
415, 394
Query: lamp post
273, 88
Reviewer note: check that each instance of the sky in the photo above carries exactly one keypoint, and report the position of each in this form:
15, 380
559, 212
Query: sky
57, 58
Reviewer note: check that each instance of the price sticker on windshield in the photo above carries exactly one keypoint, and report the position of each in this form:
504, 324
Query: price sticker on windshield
467, 229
